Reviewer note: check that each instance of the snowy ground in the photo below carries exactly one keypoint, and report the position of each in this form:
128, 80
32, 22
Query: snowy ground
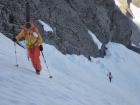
76, 81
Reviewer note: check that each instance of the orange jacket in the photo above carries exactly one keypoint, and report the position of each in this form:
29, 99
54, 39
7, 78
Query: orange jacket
32, 36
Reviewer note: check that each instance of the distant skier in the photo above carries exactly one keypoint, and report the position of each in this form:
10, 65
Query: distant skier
109, 76
33, 42
103, 50
89, 58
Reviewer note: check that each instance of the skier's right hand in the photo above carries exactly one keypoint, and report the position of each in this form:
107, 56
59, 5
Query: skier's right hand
14, 39
41, 48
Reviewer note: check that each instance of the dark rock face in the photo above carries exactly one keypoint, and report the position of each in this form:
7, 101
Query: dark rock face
70, 20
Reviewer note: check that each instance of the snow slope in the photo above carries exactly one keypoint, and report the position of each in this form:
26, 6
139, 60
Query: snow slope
76, 81
46, 26
95, 39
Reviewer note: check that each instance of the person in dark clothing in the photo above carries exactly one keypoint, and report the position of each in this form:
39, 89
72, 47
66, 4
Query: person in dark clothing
89, 58
103, 50
109, 76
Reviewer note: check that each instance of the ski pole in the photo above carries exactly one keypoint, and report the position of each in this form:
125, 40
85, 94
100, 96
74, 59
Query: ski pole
16, 54
46, 65
13, 30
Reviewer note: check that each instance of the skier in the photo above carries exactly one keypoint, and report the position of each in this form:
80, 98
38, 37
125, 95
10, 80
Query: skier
109, 76
33, 42
103, 50
89, 58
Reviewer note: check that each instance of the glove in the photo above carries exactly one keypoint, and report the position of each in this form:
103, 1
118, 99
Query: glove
41, 48
14, 39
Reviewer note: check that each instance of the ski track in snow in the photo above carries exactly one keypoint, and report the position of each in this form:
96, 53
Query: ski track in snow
76, 81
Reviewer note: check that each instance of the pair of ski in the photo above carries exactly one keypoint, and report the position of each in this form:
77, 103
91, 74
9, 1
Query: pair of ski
49, 75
